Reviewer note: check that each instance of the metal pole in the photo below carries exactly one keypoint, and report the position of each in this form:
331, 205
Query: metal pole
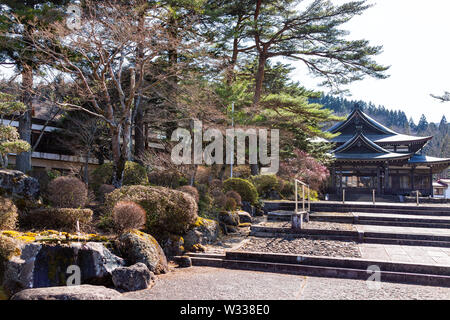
232, 155
343, 195
309, 199
303, 195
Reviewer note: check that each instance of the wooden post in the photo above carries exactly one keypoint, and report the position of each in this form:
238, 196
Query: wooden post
417, 197
297, 221
296, 197
343, 195
303, 195
373, 196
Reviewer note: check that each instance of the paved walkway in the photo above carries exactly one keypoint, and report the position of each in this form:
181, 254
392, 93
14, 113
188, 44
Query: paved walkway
398, 253
205, 283
404, 230
400, 216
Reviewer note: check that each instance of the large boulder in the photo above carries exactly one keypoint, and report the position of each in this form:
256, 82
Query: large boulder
244, 217
136, 246
82, 292
37, 265
205, 231
18, 184
230, 218
133, 278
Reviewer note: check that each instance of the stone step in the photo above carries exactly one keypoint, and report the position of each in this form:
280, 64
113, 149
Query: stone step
385, 220
341, 262
356, 236
337, 268
394, 208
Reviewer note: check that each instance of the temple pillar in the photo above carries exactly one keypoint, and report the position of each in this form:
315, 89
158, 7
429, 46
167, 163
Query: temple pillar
333, 178
431, 181
378, 180
386, 178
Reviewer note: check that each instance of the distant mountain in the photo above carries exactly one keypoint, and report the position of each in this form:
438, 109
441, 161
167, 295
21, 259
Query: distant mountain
397, 120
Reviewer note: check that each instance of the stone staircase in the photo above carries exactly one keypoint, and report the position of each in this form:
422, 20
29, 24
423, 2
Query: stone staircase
350, 268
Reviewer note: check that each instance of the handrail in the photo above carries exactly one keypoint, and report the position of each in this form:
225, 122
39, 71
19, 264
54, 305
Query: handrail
303, 196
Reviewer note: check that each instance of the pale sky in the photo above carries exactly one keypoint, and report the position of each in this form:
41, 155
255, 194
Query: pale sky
415, 36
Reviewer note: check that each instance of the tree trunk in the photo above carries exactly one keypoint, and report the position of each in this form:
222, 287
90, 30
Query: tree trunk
259, 78
194, 173
23, 160
86, 168
254, 169
118, 159
139, 139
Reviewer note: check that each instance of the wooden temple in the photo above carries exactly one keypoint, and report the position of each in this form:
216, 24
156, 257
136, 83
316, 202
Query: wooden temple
369, 156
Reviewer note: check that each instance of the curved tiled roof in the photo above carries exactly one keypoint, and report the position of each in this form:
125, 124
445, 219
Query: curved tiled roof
372, 150
384, 135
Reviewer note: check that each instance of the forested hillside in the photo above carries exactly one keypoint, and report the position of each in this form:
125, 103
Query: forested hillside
397, 120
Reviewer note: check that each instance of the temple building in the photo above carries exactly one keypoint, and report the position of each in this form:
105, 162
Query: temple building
369, 156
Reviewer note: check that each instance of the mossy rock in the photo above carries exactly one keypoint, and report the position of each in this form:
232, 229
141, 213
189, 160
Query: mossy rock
230, 218
136, 246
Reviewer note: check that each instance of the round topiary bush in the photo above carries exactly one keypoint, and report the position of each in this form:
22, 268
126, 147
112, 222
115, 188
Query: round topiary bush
237, 198
8, 214
127, 216
168, 210
134, 174
265, 183
245, 188
190, 190
103, 190
67, 192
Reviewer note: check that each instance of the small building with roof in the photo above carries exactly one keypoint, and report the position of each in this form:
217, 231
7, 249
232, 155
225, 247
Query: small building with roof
369, 156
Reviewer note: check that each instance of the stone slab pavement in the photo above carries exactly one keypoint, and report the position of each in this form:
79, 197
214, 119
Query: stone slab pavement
400, 253
404, 230
401, 216
206, 283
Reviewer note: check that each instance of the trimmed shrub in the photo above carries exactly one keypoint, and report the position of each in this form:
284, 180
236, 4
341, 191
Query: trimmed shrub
103, 190
237, 198
8, 214
127, 216
242, 171
134, 174
67, 192
216, 184
245, 188
167, 178
190, 190
287, 188
219, 198
265, 183
230, 204
62, 219
168, 210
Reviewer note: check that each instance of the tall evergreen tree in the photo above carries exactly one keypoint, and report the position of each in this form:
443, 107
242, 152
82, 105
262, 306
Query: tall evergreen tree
17, 19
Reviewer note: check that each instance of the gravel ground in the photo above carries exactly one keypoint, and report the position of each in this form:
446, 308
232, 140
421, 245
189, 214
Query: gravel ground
205, 283
311, 225
305, 246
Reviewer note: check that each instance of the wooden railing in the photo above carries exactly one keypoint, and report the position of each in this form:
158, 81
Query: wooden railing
297, 217
303, 196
